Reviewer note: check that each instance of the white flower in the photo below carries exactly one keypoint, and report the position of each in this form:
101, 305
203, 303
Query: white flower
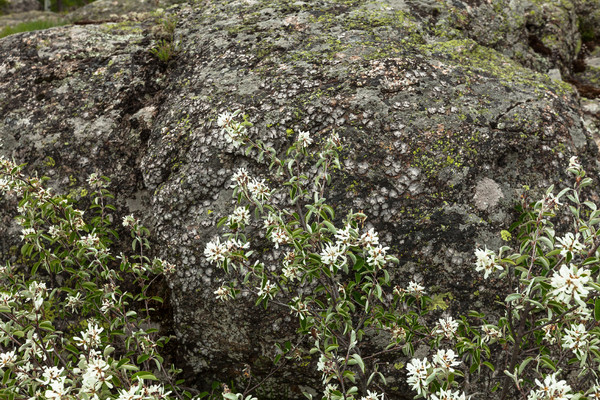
414, 289
107, 304
593, 393
7, 359
169, 268
95, 375
372, 396
4, 185
90, 240
240, 215
334, 139
267, 289
224, 119
291, 272
216, 251
289, 257
90, 339
329, 389
96, 181
279, 236
6, 298
551, 389
370, 238
331, 253
37, 290
447, 327
446, 360
549, 333
346, 236
240, 178
222, 293
54, 231
486, 261
57, 389
582, 313
490, 333
259, 190
328, 366
569, 244
234, 134
377, 255
131, 394
50, 374
398, 333
236, 244
569, 284
270, 221
574, 163
26, 232
299, 308
129, 221
418, 372
156, 392
234, 131
23, 371
304, 139
448, 395
576, 339
552, 202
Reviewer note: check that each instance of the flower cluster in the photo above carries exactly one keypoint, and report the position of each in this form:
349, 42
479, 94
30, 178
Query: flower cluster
486, 262
234, 131
447, 327
551, 389
569, 284
72, 278
569, 244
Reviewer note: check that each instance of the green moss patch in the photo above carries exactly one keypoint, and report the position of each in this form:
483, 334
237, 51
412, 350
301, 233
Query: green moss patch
485, 61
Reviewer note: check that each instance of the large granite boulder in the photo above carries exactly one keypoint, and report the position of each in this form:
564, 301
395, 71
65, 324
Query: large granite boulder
441, 128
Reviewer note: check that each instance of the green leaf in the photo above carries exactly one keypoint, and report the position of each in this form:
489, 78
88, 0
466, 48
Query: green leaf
142, 357
331, 348
489, 365
350, 376
535, 303
513, 296
6, 376
597, 310
524, 364
330, 227
47, 326
122, 362
359, 361
548, 363
144, 375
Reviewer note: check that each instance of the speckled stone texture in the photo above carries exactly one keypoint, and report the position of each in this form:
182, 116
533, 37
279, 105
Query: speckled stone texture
444, 110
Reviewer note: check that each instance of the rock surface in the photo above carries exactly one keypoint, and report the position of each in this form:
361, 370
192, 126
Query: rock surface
19, 6
444, 109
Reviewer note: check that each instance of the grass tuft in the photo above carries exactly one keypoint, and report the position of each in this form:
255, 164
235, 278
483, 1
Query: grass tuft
31, 26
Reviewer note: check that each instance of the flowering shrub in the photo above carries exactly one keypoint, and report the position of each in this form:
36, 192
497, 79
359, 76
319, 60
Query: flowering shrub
75, 318
335, 280
68, 328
